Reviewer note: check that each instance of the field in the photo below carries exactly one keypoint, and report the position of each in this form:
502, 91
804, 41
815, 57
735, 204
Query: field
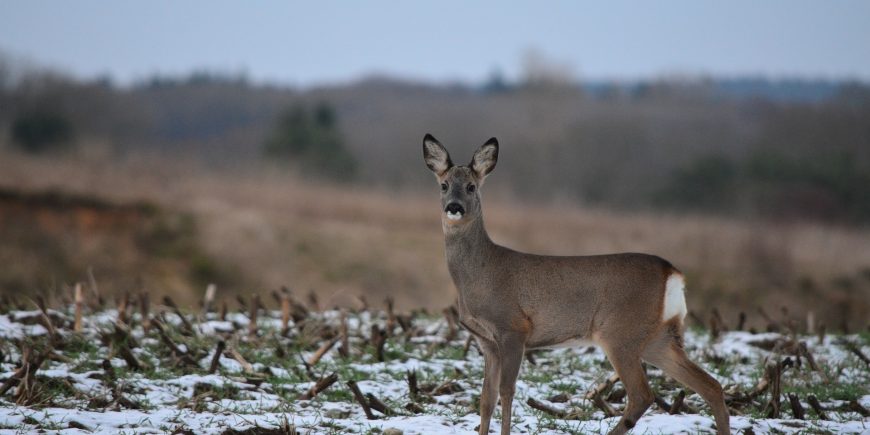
161, 228
155, 368
256, 229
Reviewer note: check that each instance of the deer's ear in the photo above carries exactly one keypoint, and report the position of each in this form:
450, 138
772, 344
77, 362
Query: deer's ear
485, 158
435, 155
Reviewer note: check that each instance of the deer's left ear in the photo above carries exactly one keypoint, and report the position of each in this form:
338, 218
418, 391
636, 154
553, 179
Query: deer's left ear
485, 158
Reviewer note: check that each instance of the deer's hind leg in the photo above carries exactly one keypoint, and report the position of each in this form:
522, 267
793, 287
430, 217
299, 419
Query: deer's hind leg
630, 370
667, 353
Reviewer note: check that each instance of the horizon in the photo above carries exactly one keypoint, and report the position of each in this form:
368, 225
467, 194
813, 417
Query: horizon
337, 43
22, 66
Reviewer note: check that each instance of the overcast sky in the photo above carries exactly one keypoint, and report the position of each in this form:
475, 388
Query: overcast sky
331, 41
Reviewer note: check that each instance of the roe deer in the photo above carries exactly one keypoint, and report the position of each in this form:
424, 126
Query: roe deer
631, 305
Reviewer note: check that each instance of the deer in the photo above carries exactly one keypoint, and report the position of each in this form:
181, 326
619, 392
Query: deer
630, 305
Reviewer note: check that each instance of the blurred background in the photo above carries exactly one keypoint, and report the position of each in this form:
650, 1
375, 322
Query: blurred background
161, 146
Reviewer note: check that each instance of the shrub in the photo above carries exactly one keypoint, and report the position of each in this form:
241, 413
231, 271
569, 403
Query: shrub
40, 131
707, 183
311, 140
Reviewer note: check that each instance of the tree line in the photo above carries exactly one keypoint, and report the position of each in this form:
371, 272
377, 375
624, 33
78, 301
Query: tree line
665, 144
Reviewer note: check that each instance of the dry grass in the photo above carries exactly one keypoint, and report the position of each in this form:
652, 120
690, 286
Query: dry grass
343, 241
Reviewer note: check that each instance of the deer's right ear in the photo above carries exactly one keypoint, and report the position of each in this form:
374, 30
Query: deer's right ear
435, 155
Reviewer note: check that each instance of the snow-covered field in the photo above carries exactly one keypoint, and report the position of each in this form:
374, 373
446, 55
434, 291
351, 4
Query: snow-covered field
75, 391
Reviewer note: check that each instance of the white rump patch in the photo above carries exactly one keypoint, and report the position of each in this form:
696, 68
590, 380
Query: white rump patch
454, 216
675, 298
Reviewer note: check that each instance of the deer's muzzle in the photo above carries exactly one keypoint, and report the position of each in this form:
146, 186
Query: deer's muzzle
454, 211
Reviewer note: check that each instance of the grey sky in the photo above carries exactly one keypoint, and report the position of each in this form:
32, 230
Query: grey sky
329, 41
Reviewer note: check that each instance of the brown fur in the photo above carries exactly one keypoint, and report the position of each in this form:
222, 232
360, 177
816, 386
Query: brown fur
522, 324
513, 301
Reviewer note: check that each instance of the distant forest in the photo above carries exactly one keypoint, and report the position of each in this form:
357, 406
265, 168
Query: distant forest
778, 149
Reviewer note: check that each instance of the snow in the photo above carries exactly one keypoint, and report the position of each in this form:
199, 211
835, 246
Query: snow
10, 329
167, 419
166, 399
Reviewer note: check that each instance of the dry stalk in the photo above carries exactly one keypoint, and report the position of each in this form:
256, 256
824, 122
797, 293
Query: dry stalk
530, 357
208, 301
602, 387
678, 402
363, 302
796, 408
451, 315
46, 319
357, 394
696, 319
412, 385
344, 349
187, 327
246, 366
772, 325
467, 346
252, 315
811, 322
719, 320
822, 330
546, 409
741, 321
182, 356
604, 406
803, 352
312, 301
817, 407
315, 358
447, 387
144, 308
322, 384
97, 299
216, 359
379, 406
414, 408
852, 347
122, 307
775, 376
24, 377
378, 340
16, 377
662, 403
854, 406
285, 312
122, 341
79, 302
391, 316
223, 312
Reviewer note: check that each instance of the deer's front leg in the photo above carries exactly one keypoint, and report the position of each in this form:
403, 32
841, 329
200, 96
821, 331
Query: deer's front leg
511, 349
489, 394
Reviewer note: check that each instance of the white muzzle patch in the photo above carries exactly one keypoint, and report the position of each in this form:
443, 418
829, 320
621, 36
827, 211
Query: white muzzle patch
454, 216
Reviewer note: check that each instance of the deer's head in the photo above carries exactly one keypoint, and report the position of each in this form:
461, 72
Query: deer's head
460, 185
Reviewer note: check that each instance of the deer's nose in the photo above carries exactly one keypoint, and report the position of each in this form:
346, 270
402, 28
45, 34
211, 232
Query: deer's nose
454, 208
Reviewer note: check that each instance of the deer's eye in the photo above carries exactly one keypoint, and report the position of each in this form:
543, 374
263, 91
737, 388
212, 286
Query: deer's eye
470, 188
443, 187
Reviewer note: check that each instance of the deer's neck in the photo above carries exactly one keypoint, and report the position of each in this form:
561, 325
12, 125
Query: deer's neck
469, 250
